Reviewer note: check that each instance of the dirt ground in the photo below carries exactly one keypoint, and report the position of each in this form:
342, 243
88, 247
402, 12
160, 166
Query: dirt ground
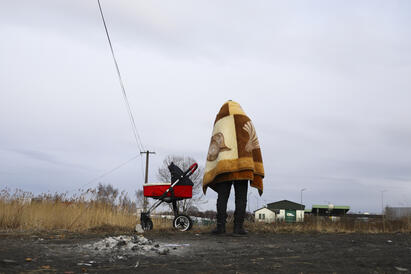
191, 252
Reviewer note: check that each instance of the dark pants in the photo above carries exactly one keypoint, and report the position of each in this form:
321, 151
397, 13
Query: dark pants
223, 190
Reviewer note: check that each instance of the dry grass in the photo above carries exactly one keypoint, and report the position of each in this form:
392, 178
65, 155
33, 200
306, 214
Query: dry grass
81, 214
59, 215
324, 225
21, 211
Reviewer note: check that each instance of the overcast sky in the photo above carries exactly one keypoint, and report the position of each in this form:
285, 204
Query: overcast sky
327, 84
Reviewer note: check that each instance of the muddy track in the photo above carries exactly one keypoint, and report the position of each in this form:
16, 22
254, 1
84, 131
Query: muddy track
204, 253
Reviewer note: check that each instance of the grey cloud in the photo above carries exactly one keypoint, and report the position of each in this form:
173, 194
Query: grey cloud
36, 155
326, 84
45, 157
372, 169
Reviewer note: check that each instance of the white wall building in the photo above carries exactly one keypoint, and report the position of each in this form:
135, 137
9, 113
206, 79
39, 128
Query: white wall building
282, 211
264, 215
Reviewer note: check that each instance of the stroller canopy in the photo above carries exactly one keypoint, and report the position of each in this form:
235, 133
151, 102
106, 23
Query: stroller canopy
176, 173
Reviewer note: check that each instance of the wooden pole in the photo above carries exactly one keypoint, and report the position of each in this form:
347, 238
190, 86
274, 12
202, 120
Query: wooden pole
145, 202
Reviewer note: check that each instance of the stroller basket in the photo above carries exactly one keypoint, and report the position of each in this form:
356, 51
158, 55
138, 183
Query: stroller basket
156, 190
180, 187
183, 189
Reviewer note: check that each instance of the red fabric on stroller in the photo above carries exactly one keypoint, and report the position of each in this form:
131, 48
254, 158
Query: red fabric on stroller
183, 189
156, 190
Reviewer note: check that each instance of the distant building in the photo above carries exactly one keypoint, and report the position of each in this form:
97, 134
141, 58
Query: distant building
264, 215
329, 210
393, 213
285, 211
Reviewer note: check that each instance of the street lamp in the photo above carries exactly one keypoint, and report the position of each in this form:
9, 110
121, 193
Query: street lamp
302, 197
382, 201
382, 209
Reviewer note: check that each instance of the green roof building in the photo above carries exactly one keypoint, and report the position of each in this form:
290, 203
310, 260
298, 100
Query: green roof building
329, 210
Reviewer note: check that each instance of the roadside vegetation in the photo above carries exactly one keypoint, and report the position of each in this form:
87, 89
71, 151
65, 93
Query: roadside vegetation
315, 224
93, 208
105, 209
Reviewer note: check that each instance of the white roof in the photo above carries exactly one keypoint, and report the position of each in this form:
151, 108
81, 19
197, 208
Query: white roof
262, 209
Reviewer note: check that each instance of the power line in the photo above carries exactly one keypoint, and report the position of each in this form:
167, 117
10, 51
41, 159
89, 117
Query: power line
130, 113
108, 172
126, 101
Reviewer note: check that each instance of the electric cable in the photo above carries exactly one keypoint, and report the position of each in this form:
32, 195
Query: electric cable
126, 101
108, 172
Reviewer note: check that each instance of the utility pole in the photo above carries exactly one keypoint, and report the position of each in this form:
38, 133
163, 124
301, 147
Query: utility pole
145, 202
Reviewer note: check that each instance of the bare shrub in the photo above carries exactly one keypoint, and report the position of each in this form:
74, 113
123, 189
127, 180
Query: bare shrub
163, 174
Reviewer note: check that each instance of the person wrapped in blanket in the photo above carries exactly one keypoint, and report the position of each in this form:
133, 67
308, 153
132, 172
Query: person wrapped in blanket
234, 158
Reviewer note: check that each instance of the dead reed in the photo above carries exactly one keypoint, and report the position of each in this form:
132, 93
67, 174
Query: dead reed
59, 215
344, 225
21, 211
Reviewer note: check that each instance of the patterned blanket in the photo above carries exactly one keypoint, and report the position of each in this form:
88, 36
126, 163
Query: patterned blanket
234, 152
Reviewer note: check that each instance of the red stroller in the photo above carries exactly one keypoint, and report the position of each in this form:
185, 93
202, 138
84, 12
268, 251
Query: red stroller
181, 187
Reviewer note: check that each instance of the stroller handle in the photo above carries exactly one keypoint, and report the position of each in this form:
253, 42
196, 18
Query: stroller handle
191, 169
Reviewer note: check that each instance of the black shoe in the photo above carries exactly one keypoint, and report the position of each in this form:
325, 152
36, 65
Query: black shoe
220, 229
240, 231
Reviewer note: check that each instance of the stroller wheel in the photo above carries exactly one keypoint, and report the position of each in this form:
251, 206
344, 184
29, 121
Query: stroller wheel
147, 224
182, 222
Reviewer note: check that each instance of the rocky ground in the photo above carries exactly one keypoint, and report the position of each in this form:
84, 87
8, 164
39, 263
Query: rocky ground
191, 252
